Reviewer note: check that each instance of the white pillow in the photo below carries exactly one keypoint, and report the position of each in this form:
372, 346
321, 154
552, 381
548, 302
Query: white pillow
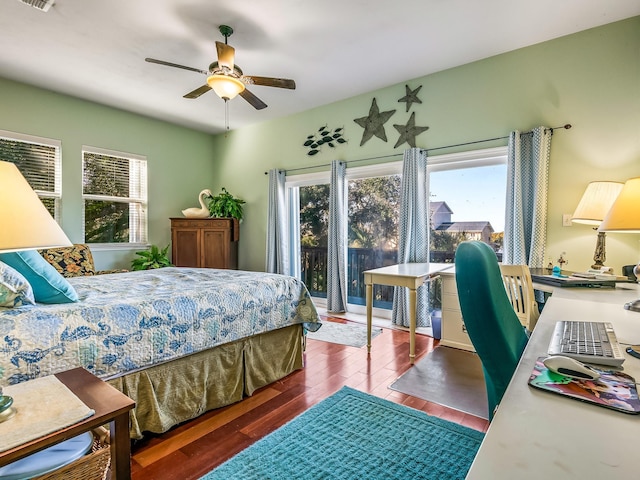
15, 290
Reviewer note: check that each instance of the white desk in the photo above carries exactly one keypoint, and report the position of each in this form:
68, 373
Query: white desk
409, 275
540, 435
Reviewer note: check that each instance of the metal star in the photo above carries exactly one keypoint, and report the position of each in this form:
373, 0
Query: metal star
411, 96
409, 131
373, 124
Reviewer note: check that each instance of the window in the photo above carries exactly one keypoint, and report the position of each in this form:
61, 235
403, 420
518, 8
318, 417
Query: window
467, 201
39, 161
114, 192
467, 195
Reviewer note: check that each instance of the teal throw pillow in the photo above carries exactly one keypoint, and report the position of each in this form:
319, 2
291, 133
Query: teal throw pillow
47, 284
15, 291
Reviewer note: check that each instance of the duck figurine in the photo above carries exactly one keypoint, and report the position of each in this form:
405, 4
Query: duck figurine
203, 211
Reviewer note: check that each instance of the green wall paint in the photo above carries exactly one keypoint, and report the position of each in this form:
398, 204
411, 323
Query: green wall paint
590, 79
179, 160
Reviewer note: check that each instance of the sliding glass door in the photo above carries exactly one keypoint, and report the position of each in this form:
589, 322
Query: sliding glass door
467, 202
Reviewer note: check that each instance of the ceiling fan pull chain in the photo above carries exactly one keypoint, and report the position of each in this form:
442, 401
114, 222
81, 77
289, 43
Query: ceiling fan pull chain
226, 116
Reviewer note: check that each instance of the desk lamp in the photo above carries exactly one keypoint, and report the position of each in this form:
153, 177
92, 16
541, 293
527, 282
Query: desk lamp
26, 225
594, 205
624, 217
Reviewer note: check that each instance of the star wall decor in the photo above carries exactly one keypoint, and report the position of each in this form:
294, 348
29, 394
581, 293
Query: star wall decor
410, 97
373, 123
409, 132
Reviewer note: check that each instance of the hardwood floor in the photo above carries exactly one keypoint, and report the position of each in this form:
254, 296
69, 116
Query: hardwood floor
194, 448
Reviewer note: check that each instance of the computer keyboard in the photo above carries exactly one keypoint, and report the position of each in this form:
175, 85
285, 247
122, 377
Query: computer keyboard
589, 342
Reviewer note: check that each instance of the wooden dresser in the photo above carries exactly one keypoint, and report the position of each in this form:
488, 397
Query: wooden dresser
205, 242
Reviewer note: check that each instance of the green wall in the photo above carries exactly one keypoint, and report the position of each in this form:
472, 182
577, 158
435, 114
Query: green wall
179, 160
590, 79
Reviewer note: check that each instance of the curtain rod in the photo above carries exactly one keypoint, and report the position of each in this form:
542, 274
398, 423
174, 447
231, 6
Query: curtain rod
566, 126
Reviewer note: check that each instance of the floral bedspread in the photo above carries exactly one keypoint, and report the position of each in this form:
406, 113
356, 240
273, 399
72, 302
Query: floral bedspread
128, 321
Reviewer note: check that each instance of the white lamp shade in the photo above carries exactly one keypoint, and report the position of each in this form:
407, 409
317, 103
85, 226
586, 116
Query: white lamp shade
225, 86
25, 222
624, 215
596, 202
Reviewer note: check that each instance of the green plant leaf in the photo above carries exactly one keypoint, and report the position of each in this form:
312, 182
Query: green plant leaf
225, 205
152, 258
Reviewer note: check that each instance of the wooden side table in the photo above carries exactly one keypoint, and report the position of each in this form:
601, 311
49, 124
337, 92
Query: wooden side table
110, 406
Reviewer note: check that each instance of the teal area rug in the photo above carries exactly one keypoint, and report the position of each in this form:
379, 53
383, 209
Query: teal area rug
351, 334
353, 435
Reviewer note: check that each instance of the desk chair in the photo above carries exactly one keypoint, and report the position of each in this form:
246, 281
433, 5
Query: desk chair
492, 324
517, 281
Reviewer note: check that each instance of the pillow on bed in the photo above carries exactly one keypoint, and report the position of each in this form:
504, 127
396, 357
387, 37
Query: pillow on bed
15, 291
47, 284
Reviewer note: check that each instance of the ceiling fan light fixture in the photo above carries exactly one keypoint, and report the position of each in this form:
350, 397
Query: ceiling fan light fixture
226, 87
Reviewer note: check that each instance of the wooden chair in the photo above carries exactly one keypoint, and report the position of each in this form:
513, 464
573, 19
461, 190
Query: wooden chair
519, 286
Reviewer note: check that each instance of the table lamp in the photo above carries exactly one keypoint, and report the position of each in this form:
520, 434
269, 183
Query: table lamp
26, 225
594, 205
624, 217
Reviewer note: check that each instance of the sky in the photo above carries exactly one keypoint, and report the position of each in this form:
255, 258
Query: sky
474, 194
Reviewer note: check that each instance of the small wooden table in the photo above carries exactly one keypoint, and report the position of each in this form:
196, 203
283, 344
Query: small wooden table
110, 406
409, 275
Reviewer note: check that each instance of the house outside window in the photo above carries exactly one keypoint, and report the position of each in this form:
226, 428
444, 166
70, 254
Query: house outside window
114, 193
40, 162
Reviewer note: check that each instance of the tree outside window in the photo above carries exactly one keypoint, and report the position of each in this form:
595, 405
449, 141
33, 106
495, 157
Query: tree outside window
114, 192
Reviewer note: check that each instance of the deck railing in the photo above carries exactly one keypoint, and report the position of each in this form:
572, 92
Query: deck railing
314, 273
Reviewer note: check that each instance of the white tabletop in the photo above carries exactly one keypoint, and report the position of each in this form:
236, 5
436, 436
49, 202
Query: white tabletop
413, 270
539, 435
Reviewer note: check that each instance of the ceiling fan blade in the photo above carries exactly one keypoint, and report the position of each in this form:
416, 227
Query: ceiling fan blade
226, 55
253, 100
169, 64
198, 91
269, 81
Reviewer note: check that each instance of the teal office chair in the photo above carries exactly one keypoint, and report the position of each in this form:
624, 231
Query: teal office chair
492, 324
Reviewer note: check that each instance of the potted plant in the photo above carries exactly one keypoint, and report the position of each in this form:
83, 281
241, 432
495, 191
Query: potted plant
225, 205
152, 258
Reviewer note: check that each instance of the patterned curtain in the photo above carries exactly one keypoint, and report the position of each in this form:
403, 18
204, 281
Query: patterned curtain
413, 235
525, 230
337, 241
277, 251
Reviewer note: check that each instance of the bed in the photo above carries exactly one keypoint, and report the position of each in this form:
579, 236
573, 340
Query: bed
178, 341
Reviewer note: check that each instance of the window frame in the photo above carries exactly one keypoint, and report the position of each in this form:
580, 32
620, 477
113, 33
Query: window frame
56, 195
141, 229
449, 161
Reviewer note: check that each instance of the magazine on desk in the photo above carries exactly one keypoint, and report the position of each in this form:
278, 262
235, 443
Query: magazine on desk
615, 390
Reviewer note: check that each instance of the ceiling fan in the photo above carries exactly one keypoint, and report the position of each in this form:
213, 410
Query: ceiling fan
226, 79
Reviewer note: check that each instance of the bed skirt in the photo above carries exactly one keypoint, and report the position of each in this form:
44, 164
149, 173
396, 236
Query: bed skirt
180, 390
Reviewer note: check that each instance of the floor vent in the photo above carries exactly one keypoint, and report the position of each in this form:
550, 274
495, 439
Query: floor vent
43, 5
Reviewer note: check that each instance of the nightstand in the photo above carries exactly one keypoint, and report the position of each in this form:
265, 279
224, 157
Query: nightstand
110, 406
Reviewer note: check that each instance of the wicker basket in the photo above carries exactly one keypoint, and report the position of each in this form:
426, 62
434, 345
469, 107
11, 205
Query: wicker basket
92, 466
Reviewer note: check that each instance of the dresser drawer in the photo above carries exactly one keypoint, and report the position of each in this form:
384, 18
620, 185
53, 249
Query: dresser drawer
454, 333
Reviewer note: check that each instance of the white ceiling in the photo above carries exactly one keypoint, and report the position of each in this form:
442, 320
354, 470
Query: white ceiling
333, 49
